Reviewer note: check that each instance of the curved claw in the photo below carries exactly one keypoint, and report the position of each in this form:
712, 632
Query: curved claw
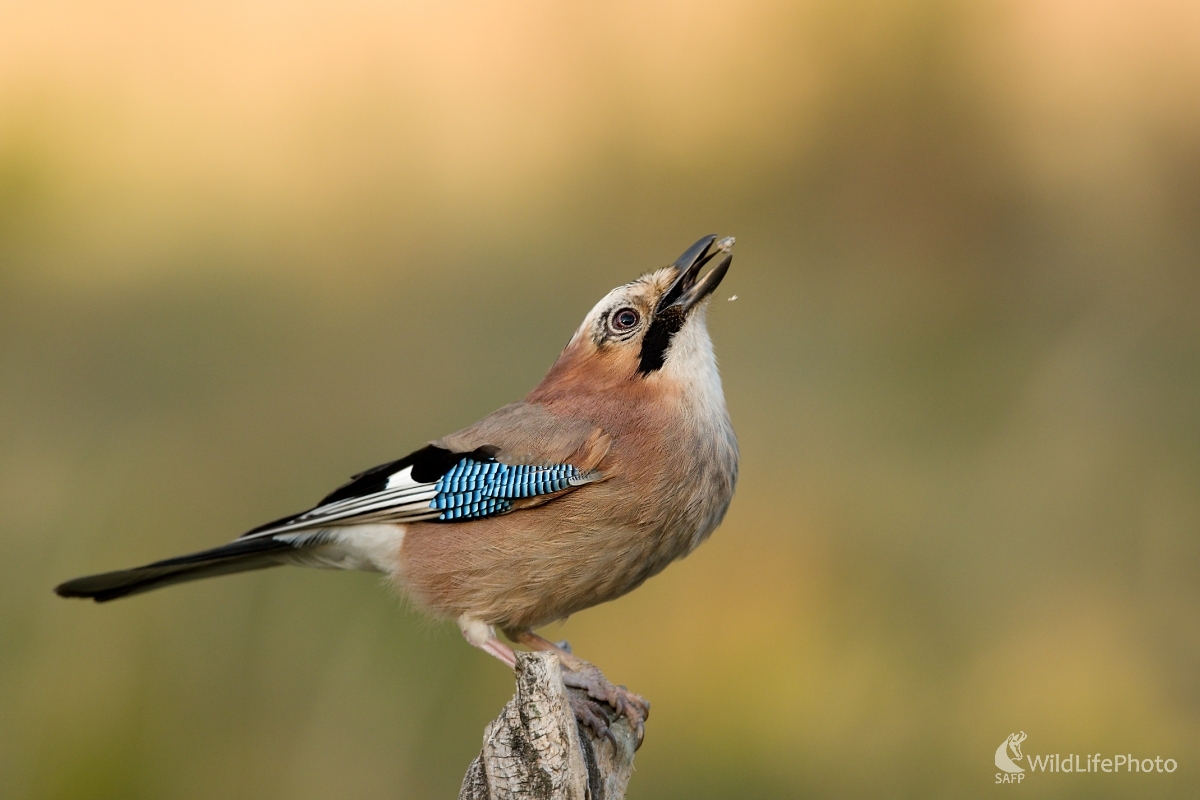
590, 714
633, 700
625, 703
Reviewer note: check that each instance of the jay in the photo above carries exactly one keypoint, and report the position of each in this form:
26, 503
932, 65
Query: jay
622, 460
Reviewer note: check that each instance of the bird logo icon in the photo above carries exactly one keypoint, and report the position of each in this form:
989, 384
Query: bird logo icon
1013, 743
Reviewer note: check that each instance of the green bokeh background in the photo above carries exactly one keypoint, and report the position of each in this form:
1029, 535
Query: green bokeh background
249, 249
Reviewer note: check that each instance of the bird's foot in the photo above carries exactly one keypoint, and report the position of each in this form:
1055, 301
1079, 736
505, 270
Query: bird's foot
591, 715
582, 675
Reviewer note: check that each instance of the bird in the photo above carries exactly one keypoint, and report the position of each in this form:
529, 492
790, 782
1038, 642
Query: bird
620, 461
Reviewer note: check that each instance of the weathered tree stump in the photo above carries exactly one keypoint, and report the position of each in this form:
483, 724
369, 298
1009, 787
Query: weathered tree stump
536, 749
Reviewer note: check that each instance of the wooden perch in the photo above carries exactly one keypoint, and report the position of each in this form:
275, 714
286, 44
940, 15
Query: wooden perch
536, 749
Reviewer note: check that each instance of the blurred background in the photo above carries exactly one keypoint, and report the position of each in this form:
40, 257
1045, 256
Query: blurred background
248, 249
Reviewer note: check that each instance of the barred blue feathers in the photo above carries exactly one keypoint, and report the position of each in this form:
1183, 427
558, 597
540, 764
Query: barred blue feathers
473, 489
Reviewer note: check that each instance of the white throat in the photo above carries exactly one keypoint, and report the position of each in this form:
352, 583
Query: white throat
692, 365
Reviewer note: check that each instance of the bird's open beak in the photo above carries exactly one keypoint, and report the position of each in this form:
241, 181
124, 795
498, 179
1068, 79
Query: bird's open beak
686, 291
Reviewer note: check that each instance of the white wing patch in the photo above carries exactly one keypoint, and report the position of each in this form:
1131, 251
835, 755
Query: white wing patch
402, 479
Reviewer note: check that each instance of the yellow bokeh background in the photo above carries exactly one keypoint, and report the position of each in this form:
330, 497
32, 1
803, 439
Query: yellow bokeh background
248, 249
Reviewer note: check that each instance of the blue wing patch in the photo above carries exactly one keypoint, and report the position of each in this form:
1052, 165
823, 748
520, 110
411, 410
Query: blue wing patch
473, 489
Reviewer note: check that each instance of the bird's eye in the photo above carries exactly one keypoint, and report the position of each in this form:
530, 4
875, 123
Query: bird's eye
624, 319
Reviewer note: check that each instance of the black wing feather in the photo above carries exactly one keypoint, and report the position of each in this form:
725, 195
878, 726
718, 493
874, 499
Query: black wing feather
429, 463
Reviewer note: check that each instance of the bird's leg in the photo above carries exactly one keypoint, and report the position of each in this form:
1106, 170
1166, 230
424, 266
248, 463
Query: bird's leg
483, 636
580, 674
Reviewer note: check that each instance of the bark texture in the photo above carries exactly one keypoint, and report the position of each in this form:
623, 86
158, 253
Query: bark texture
536, 749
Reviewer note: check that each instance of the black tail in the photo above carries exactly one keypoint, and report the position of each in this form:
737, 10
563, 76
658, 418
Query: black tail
237, 556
